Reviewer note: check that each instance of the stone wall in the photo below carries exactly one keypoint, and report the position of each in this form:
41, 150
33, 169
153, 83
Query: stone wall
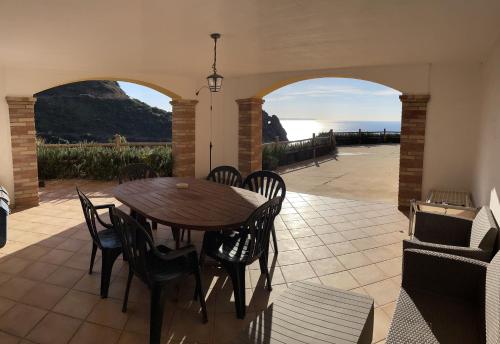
183, 137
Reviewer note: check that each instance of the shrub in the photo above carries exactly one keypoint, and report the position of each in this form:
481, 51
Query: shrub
101, 163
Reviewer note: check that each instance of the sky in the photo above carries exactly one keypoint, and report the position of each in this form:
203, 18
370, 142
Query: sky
336, 99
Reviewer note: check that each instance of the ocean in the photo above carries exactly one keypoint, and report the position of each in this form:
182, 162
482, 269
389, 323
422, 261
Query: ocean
298, 129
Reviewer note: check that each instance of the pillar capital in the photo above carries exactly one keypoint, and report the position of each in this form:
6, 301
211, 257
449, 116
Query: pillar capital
415, 98
250, 101
184, 102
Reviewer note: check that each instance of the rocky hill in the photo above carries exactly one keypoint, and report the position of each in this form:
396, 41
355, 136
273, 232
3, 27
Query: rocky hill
97, 110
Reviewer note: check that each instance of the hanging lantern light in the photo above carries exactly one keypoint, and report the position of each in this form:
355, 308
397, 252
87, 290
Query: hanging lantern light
214, 79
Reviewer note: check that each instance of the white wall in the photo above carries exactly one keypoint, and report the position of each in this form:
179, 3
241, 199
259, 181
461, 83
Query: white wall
452, 126
6, 175
487, 176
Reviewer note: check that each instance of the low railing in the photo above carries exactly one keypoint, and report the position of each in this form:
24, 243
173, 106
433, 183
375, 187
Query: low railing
278, 153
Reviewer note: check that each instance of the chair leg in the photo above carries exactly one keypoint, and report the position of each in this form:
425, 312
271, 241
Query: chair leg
154, 225
275, 242
237, 274
92, 257
129, 281
156, 314
265, 270
199, 293
108, 259
189, 236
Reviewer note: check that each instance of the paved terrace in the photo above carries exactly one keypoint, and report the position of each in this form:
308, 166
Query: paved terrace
47, 295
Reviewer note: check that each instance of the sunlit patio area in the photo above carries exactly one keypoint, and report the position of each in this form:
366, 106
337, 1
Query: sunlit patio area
47, 295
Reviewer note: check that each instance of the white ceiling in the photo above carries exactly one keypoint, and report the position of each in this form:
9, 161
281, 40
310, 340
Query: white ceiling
172, 36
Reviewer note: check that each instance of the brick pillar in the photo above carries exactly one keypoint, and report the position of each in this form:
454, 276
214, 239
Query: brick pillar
250, 135
183, 137
24, 159
411, 159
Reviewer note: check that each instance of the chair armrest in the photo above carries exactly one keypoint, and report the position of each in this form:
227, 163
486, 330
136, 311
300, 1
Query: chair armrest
174, 254
105, 206
442, 229
444, 274
468, 252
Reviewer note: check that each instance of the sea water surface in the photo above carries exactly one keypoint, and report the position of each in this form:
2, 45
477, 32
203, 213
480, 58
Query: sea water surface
298, 129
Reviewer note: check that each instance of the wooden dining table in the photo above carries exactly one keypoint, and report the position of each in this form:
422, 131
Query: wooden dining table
203, 205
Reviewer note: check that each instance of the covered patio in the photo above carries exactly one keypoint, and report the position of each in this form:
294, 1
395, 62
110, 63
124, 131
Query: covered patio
47, 295
443, 56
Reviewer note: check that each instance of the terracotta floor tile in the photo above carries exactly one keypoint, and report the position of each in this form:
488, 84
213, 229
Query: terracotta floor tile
310, 241
13, 265
331, 238
38, 271
44, 295
368, 274
65, 277
341, 248
76, 304
383, 292
391, 267
133, 338
354, 260
54, 329
92, 334
342, 280
6, 338
381, 325
5, 305
301, 232
56, 256
291, 257
297, 272
16, 288
287, 245
20, 319
109, 313
315, 253
326, 266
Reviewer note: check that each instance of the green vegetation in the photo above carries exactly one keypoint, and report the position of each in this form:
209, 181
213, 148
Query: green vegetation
101, 163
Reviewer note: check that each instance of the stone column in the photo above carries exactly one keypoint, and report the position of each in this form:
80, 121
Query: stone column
24, 156
183, 137
250, 135
411, 159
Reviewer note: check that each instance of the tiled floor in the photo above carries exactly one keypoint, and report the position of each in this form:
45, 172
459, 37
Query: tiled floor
47, 295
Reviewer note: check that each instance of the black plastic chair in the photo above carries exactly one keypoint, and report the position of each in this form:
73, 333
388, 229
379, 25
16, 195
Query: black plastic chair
237, 249
270, 185
155, 266
106, 240
134, 172
226, 175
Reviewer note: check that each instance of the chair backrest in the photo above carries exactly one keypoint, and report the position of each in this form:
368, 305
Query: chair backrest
267, 183
136, 243
136, 171
493, 301
484, 230
258, 227
227, 175
90, 214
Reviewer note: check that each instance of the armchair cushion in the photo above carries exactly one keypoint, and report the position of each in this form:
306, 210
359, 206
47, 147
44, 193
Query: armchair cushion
493, 301
442, 229
484, 230
468, 252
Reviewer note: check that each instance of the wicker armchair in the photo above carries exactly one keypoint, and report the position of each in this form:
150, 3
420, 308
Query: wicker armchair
447, 299
449, 234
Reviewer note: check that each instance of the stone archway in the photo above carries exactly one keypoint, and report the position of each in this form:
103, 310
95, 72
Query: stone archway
413, 120
23, 142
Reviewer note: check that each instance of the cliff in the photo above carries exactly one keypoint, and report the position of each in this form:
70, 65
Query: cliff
97, 110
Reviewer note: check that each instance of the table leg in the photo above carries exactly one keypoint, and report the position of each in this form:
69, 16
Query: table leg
176, 232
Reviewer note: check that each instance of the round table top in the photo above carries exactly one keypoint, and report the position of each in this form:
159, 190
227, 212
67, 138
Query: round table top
204, 205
